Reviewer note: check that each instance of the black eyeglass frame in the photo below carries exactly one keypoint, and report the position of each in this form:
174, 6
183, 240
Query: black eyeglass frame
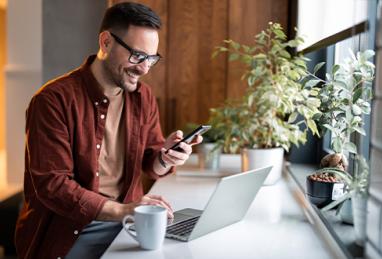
137, 53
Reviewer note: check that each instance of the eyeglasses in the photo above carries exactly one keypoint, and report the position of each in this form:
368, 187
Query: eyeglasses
137, 57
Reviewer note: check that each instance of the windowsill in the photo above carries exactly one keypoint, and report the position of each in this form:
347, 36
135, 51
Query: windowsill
341, 232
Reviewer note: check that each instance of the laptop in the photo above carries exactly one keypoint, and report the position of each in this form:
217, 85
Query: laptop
227, 205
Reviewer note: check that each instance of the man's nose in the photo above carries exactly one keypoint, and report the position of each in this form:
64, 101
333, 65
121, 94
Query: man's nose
145, 66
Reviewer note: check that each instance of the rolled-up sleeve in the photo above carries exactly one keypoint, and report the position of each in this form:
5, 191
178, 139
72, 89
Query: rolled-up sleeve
50, 163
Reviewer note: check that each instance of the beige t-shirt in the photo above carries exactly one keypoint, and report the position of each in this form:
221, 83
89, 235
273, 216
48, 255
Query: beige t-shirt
111, 159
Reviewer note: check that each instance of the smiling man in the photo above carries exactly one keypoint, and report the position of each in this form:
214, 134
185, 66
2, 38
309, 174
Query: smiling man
89, 135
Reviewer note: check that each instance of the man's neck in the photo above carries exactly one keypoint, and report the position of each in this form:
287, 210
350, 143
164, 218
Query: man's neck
108, 87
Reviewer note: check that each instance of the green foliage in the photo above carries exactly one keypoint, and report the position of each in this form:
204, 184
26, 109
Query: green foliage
345, 97
357, 183
277, 109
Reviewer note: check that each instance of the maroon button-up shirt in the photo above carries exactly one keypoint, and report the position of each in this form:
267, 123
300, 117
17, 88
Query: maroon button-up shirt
64, 132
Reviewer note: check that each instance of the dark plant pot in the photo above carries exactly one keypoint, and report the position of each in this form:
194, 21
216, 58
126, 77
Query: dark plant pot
319, 193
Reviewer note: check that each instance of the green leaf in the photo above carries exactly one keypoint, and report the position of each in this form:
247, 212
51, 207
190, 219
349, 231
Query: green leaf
260, 56
357, 94
250, 100
340, 84
285, 54
368, 53
351, 147
368, 93
329, 127
215, 53
312, 83
312, 126
300, 63
235, 45
337, 145
294, 75
356, 120
360, 130
317, 67
335, 69
366, 108
292, 117
356, 109
279, 34
233, 56
246, 48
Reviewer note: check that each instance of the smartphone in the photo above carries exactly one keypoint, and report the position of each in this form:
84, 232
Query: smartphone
187, 139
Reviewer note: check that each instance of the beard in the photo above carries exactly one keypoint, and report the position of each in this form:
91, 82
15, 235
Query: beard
125, 78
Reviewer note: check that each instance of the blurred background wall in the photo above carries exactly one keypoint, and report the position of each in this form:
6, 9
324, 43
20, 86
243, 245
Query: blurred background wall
45, 38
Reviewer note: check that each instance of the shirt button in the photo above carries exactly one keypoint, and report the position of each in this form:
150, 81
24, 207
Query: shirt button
96, 103
76, 232
97, 174
98, 146
105, 100
58, 257
102, 116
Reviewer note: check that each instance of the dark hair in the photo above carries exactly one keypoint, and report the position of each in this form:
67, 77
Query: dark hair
122, 15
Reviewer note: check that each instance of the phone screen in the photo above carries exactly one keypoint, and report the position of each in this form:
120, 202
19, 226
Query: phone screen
189, 137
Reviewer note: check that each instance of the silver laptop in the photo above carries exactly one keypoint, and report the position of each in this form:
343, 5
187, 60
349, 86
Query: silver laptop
228, 204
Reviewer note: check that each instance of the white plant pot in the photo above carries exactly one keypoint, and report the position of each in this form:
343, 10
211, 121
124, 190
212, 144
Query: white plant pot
346, 212
258, 158
208, 159
359, 204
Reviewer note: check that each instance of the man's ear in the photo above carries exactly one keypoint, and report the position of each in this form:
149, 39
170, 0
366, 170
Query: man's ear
104, 41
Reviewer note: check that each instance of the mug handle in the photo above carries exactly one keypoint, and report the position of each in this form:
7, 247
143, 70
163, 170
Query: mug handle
124, 221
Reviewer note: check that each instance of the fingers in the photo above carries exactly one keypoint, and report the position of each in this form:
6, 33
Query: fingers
157, 200
197, 140
174, 137
174, 158
177, 135
159, 197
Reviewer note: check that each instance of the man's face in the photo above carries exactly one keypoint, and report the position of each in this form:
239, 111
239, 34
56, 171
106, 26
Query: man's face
117, 67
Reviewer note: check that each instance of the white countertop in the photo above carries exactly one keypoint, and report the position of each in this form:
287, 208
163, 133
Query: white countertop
274, 227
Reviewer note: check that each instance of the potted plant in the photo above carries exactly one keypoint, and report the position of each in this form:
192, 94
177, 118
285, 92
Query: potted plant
345, 99
276, 110
208, 152
356, 188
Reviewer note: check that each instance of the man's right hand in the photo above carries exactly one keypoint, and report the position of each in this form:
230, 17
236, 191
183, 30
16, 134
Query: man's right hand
114, 211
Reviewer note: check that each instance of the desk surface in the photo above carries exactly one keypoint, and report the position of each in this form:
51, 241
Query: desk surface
274, 227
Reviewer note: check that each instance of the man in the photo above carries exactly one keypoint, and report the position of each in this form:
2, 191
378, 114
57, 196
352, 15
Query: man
89, 134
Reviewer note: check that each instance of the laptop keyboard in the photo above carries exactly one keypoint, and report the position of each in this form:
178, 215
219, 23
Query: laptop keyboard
182, 228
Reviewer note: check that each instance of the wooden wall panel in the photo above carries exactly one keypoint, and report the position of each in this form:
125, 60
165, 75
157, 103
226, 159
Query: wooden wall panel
211, 87
183, 62
195, 82
246, 19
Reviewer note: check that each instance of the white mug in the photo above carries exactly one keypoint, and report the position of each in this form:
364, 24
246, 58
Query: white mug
150, 226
